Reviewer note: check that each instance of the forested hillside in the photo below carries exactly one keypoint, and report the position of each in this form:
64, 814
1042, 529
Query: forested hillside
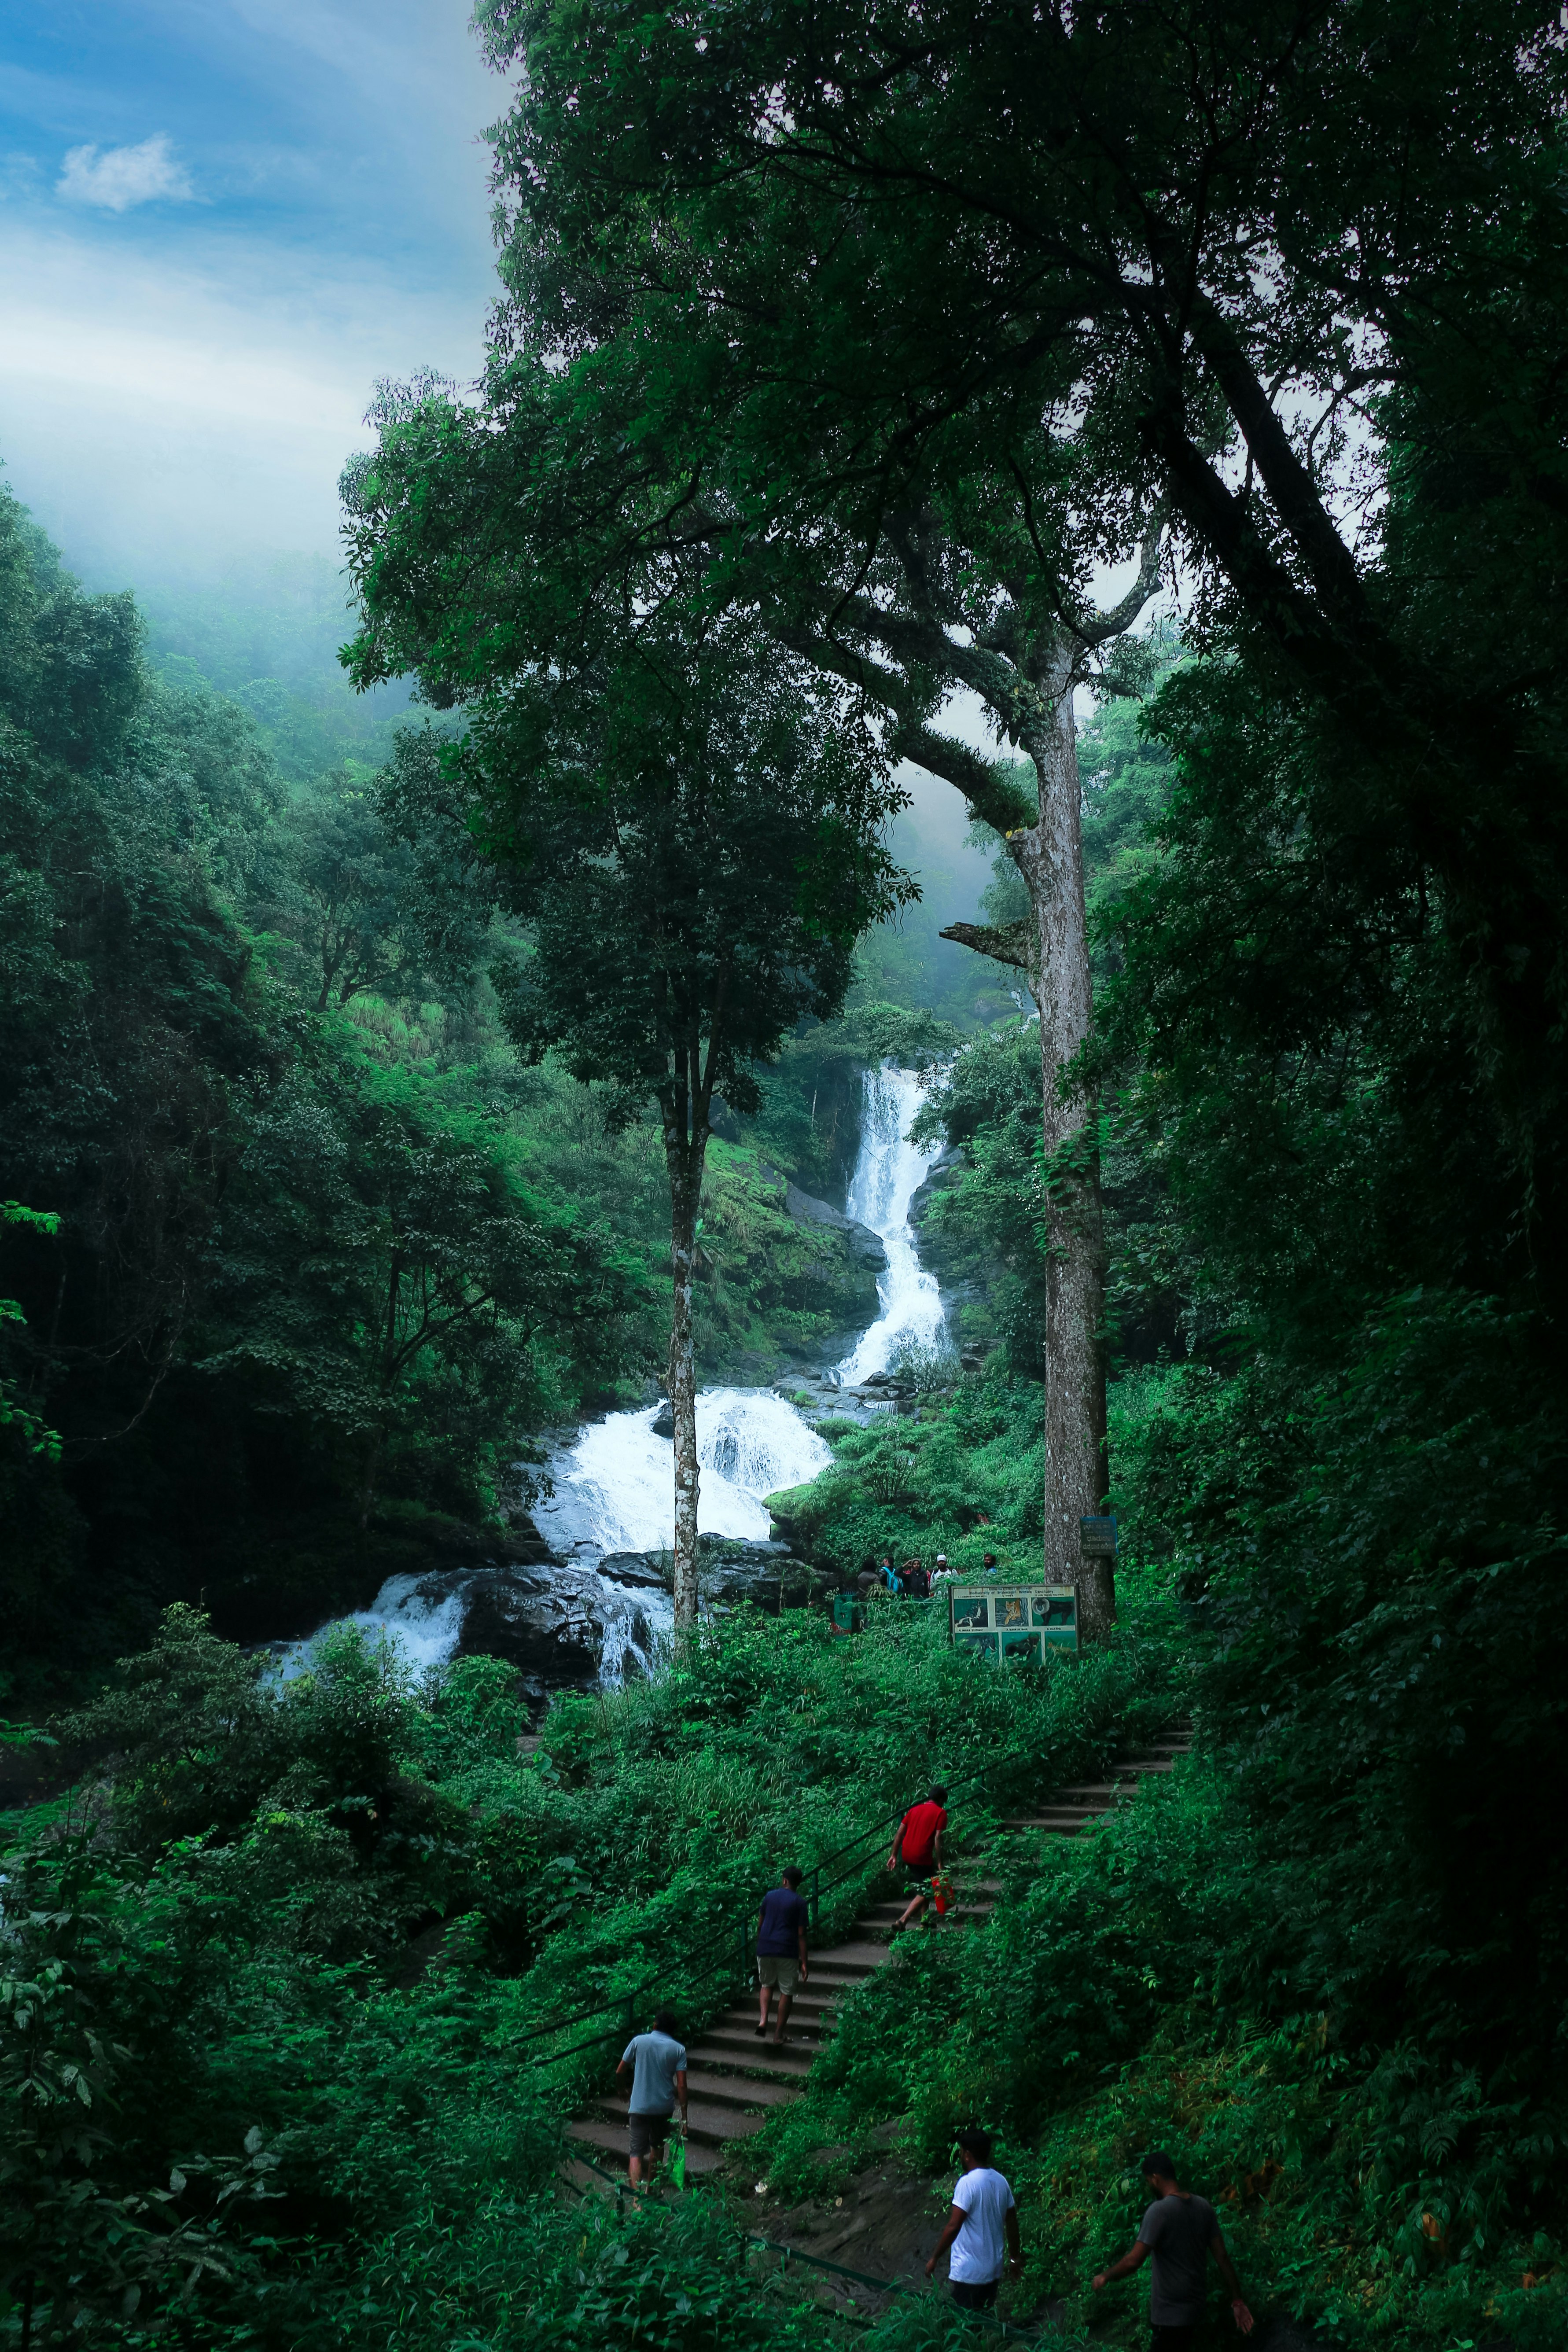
1179, 390
307, 1257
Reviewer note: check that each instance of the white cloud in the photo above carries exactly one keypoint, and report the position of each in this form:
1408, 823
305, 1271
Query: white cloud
119, 177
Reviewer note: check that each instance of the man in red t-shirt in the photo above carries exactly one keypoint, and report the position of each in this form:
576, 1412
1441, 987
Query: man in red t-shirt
917, 1852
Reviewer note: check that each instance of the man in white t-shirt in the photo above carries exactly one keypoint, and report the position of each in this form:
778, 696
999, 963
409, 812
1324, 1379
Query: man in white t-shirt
983, 2215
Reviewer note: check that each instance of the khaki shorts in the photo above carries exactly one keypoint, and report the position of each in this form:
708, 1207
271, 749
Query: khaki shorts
773, 1970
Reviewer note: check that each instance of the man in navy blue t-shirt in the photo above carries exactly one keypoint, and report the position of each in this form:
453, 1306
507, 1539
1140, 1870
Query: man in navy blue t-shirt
781, 1948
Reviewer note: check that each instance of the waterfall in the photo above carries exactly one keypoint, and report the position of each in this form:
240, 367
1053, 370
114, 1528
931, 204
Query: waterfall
887, 1175
418, 1617
614, 1484
614, 1490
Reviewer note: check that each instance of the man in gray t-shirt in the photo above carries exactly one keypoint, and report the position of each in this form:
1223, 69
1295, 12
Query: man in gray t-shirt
657, 2065
1178, 2234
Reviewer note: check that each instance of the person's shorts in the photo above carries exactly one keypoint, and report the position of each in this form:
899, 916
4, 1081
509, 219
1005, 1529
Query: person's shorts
971, 2296
1167, 2338
648, 2133
919, 1886
773, 1968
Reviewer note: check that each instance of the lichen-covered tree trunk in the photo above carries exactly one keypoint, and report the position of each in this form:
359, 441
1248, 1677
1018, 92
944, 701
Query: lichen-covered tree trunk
1049, 857
684, 1157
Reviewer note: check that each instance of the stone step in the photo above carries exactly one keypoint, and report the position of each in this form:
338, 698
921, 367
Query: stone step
810, 1999
580, 2176
706, 2125
737, 2090
735, 2076
958, 1915
804, 2025
960, 1902
608, 2144
1056, 1827
853, 1959
742, 2053
813, 2025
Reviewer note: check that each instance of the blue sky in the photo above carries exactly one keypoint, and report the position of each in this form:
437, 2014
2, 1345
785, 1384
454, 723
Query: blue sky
220, 222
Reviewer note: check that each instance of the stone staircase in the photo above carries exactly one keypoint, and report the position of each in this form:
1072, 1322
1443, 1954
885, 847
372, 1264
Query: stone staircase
735, 2080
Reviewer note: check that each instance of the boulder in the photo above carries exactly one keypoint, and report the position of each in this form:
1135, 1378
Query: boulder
632, 1568
864, 1244
547, 1626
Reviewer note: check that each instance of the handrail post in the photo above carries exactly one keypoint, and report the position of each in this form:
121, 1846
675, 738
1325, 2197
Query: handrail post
816, 1900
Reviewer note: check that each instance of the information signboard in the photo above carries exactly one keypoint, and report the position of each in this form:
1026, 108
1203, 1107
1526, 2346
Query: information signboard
1013, 1621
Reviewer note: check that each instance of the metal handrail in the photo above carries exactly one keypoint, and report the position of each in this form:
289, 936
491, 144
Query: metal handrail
626, 2001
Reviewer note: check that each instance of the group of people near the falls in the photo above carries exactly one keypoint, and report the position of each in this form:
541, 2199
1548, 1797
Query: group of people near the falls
880, 1579
1179, 2231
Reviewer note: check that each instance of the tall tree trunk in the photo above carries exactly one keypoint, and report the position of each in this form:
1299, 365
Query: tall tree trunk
684, 1158
1049, 856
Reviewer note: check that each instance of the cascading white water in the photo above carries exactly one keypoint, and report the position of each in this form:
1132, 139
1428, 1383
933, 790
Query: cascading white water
615, 1491
887, 1175
614, 1486
422, 1627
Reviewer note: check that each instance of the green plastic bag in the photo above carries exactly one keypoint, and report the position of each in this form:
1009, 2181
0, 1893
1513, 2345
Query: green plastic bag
677, 2159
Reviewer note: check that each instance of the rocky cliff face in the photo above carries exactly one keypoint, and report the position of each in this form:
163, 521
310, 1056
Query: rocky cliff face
965, 1294
783, 1277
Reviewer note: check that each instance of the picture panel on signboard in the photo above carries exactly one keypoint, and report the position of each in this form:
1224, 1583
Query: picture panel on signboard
1019, 1620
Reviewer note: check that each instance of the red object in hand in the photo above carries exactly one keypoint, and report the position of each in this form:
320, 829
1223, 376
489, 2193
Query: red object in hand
942, 1890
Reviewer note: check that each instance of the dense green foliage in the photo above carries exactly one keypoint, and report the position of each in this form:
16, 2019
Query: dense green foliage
873, 337
294, 1259
298, 1253
963, 1478
216, 1945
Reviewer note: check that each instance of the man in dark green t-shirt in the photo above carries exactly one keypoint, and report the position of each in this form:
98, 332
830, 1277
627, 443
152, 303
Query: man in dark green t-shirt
845, 1613
1179, 2232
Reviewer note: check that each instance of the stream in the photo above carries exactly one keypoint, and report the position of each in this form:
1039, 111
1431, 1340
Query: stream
594, 1607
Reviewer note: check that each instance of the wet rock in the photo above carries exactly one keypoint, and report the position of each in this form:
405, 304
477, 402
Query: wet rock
938, 1177
632, 1568
663, 1423
562, 1627
770, 1576
864, 1244
548, 1626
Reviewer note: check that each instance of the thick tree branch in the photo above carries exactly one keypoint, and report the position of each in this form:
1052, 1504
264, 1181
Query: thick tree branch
990, 788
991, 791
997, 682
1094, 629
1329, 561
1221, 523
1002, 942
